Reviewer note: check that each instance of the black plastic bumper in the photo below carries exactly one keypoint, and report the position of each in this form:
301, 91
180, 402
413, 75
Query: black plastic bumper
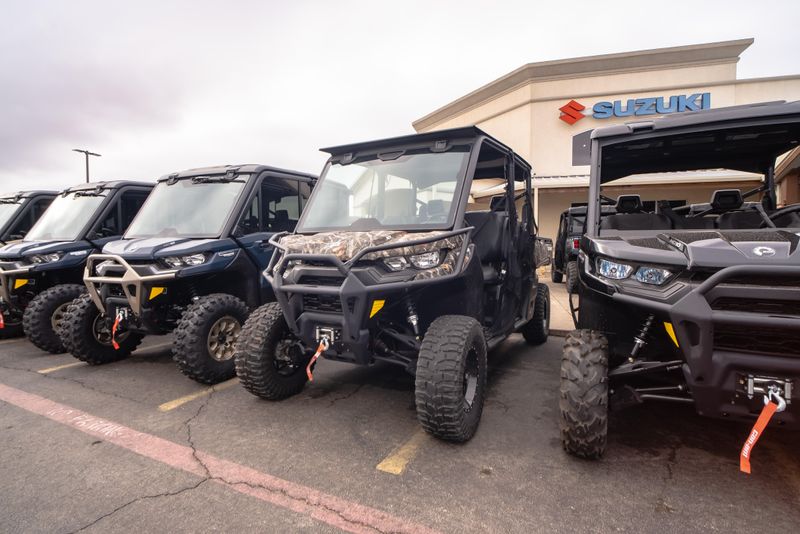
714, 373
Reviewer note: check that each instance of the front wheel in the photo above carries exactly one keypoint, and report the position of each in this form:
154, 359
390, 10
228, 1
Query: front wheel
85, 333
43, 315
583, 395
537, 328
206, 335
556, 276
451, 378
270, 361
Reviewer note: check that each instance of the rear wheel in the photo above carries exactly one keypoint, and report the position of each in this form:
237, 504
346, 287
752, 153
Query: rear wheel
270, 361
537, 329
451, 378
572, 277
206, 335
43, 315
86, 334
583, 402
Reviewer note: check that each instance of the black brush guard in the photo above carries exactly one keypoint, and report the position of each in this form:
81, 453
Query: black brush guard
354, 296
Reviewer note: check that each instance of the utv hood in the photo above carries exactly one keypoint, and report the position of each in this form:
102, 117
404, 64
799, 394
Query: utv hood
24, 248
707, 249
148, 248
345, 245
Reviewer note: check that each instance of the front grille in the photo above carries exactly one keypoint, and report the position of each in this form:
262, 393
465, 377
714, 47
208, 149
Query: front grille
767, 307
330, 281
763, 341
322, 303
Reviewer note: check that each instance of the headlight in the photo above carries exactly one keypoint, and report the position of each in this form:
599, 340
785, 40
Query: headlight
194, 259
426, 260
397, 263
46, 258
613, 270
652, 275
185, 261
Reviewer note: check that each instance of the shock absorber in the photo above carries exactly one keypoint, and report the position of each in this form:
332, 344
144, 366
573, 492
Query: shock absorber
640, 339
413, 319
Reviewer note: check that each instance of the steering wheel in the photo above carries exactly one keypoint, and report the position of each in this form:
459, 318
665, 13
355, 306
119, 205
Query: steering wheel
781, 212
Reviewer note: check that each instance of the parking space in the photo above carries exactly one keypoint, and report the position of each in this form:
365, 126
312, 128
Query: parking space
134, 444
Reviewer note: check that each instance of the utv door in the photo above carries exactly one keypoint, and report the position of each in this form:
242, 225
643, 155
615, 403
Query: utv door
117, 215
560, 244
275, 207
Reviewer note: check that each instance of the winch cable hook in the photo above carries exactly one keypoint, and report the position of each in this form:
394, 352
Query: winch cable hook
773, 403
324, 344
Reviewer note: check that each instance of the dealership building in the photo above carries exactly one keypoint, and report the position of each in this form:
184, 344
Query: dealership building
539, 107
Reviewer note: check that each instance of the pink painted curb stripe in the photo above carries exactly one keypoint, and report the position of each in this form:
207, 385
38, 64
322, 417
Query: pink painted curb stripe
346, 515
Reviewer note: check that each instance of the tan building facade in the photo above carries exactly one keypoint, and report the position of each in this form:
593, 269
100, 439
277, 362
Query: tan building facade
538, 108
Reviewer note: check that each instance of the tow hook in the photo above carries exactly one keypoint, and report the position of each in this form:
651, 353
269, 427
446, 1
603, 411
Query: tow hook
773, 403
122, 316
324, 344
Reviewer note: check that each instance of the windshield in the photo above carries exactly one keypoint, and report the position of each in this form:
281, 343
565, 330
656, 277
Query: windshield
409, 192
7, 210
187, 208
66, 217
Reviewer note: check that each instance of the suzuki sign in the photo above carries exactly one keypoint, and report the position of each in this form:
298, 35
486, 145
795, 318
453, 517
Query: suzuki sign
572, 111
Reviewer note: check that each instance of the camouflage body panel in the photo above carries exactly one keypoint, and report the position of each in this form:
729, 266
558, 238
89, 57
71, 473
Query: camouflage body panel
345, 245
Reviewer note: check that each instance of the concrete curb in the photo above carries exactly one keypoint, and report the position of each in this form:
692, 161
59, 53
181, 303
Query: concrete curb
559, 333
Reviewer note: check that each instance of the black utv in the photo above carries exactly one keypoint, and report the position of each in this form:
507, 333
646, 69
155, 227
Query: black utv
42, 274
567, 244
698, 304
391, 263
190, 263
20, 211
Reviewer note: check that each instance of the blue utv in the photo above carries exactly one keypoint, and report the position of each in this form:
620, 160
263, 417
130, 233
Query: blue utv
190, 264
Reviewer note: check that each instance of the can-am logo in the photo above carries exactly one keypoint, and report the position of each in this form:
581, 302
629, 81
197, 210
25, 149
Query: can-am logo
572, 111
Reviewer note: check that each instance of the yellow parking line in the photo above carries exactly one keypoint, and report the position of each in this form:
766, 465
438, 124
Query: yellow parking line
171, 405
397, 461
59, 367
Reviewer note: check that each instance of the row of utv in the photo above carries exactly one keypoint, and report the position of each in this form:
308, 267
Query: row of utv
392, 256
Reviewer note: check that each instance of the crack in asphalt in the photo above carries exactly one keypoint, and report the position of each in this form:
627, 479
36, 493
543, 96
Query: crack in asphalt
209, 476
74, 381
346, 395
661, 501
139, 499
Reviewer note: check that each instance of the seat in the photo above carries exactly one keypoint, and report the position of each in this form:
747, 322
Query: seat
281, 222
740, 220
630, 215
488, 236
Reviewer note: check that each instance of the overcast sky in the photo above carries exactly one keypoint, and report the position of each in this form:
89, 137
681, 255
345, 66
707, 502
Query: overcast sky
157, 87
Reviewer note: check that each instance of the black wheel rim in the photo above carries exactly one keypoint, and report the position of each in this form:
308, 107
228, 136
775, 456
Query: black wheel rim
288, 358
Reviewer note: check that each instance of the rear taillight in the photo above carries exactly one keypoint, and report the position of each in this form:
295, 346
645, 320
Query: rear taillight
576, 243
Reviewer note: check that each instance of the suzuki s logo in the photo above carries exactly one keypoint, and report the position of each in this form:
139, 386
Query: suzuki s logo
764, 251
571, 112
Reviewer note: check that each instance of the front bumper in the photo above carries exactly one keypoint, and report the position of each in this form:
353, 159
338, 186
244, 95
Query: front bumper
729, 328
135, 286
347, 290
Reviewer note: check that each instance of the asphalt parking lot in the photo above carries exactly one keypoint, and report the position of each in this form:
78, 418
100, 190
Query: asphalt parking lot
136, 446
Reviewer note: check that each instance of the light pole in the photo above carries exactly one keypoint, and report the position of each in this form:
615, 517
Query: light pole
87, 154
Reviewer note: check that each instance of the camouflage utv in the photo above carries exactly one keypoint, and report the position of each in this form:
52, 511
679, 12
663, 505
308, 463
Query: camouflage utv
393, 261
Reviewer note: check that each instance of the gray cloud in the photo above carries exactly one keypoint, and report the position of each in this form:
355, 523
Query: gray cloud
160, 86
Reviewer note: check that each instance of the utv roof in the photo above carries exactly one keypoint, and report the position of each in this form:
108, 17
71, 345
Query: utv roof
466, 133
250, 168
111, 184
745, 138
28, 194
